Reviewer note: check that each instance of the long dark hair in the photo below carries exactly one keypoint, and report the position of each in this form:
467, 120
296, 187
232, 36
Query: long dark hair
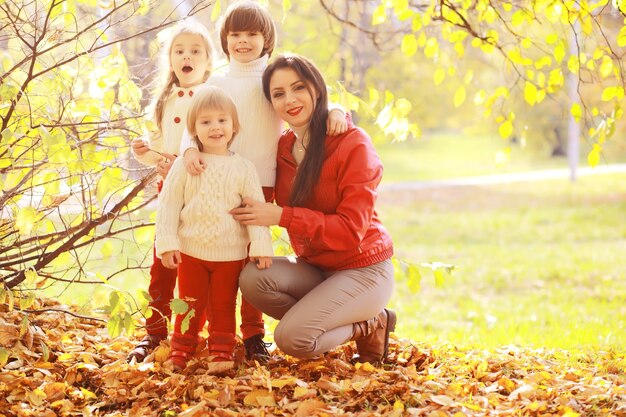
311, 166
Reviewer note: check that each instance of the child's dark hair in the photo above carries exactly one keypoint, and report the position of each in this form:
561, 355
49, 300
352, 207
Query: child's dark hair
211, 97
247, 16
311, 166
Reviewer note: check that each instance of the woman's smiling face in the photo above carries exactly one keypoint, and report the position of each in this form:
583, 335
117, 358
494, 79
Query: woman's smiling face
291, 97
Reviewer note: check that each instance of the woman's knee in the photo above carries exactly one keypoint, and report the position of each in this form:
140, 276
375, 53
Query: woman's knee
257, 286
249, 280
292, 340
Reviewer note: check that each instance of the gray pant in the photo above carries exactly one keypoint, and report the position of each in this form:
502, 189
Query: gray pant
316, 309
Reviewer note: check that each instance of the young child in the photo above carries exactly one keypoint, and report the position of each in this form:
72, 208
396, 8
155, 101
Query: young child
185, 66
248, 38
196, 233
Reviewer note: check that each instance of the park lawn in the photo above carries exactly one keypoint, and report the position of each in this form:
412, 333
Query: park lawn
442, 155
537, 263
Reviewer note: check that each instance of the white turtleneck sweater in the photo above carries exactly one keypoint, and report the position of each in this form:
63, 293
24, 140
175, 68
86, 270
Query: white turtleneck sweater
260, 125
193, 211
173, 125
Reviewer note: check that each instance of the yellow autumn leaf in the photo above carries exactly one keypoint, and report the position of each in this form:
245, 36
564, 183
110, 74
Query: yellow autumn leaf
459, 96
609, 93
519, 17
576, 111
88, 394
217, 9
530, 93
36, 397
4, 356
593, 159
279, 383
398, 405
541, 94
431, 48
439, 76
380, 15
25, 220
621, 37
107, 249
409, 45
365, 367
506, 129
459, 48
573, 64
559, 52
259, 397
302, 392
359, 386
570, 413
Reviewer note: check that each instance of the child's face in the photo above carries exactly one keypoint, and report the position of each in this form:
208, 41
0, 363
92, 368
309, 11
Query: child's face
291, 98
189, 59
245, 46
214, 128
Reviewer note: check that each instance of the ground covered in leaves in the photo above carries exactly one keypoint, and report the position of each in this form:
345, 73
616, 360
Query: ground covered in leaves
56, 364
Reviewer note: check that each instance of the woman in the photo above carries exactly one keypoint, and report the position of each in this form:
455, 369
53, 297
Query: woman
337, 287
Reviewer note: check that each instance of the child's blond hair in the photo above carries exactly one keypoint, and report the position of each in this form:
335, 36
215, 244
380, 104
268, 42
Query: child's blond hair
245, 16
167, 76
211, 97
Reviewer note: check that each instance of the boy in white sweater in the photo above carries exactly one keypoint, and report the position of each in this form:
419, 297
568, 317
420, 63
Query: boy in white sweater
248, 38
196, 234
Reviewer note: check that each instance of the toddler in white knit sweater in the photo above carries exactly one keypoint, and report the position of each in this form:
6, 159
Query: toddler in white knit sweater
196, 234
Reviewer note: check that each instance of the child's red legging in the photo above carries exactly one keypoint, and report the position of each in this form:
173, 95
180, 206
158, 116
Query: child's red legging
161, 289
214, 285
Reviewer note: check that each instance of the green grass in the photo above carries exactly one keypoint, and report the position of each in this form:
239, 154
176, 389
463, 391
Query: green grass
444, 156
539, 264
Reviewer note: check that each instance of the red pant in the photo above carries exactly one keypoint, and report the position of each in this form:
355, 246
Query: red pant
161, 289
212, 286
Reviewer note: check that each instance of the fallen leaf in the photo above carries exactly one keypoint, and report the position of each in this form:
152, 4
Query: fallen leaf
442, 400
302, 392
193, 410
327, 384
259, 397
279, 383
309, 407
9, 333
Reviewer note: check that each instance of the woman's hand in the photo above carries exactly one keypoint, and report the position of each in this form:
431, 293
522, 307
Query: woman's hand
336, 123
257, 213
193, 163
171, 259
164, 166
262, 262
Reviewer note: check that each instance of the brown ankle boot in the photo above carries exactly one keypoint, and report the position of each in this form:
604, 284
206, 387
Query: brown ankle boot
372, 336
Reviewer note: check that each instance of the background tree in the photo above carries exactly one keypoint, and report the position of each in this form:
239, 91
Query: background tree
492, 54
69, 105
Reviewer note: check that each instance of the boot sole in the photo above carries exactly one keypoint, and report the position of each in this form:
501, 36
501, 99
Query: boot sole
391, 326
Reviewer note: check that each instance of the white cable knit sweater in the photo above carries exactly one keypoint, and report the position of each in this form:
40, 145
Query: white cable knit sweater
260, 125
192, 214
